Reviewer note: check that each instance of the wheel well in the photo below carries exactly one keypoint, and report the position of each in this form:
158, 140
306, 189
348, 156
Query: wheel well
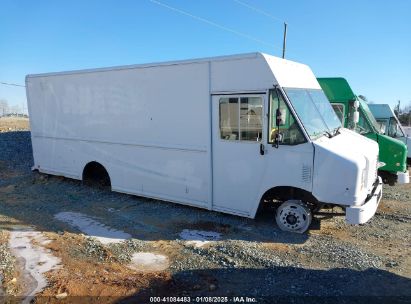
282, 193
94, 173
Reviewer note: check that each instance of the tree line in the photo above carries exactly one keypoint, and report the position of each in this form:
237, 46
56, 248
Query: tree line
6, 109
403, 114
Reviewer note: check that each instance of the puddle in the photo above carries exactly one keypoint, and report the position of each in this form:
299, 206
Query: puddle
141, 261
148, 262
87, 225
199, 238
33, 259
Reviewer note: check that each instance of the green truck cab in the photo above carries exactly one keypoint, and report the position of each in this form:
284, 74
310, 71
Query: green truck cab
355, 114
391, 126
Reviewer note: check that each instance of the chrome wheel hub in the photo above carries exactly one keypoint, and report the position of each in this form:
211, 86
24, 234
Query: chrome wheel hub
293, 216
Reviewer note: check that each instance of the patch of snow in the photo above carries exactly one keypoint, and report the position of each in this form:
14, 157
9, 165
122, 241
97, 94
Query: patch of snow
105, 234
36, 259
147, 262
199, 238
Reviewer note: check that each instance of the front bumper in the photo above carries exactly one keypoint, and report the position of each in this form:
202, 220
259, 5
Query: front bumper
403, 177
362, 214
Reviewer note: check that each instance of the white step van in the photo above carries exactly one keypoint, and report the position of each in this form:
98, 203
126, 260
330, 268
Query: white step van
222, 133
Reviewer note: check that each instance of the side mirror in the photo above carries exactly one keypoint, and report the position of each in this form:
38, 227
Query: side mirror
277, 139
356, 117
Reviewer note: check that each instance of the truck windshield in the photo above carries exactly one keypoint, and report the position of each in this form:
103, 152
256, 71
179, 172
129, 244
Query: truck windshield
367, 123
395, 129
363, 126
369, 115
314, 110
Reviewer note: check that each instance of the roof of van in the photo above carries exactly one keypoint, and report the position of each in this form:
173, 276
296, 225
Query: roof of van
250, 71
336, 89
381, 110
154, 64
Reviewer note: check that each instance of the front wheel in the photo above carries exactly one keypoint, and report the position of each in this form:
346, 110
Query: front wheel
293, 216
388, 177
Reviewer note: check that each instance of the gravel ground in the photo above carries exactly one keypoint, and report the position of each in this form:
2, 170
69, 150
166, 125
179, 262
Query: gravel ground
253, 257
7, 262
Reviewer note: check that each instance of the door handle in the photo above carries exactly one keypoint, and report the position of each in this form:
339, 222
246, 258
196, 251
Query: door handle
262, 149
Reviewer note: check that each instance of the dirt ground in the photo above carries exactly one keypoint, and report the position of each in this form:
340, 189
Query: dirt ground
14, 124
97, 236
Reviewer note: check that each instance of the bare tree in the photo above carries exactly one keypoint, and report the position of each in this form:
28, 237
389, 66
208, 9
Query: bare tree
4, 107
404, 115
14, 109
363, 98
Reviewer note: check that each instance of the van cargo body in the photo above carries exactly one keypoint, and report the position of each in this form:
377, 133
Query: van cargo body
223, 133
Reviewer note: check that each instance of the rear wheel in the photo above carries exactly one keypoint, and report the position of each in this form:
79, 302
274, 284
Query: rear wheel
293, 216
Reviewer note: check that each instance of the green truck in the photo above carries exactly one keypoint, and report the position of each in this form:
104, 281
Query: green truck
391, 126
355, 114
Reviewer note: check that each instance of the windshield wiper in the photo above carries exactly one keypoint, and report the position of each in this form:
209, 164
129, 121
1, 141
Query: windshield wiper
333, 133
321, 133
337, 130
329, 135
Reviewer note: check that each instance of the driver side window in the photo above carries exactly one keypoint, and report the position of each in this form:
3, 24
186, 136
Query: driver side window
394, 129
383, 125
288, 128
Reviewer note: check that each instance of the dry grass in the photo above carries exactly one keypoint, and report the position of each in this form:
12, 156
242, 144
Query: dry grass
14, 124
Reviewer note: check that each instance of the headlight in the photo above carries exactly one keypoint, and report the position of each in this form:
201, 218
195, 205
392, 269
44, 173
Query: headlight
380, 164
